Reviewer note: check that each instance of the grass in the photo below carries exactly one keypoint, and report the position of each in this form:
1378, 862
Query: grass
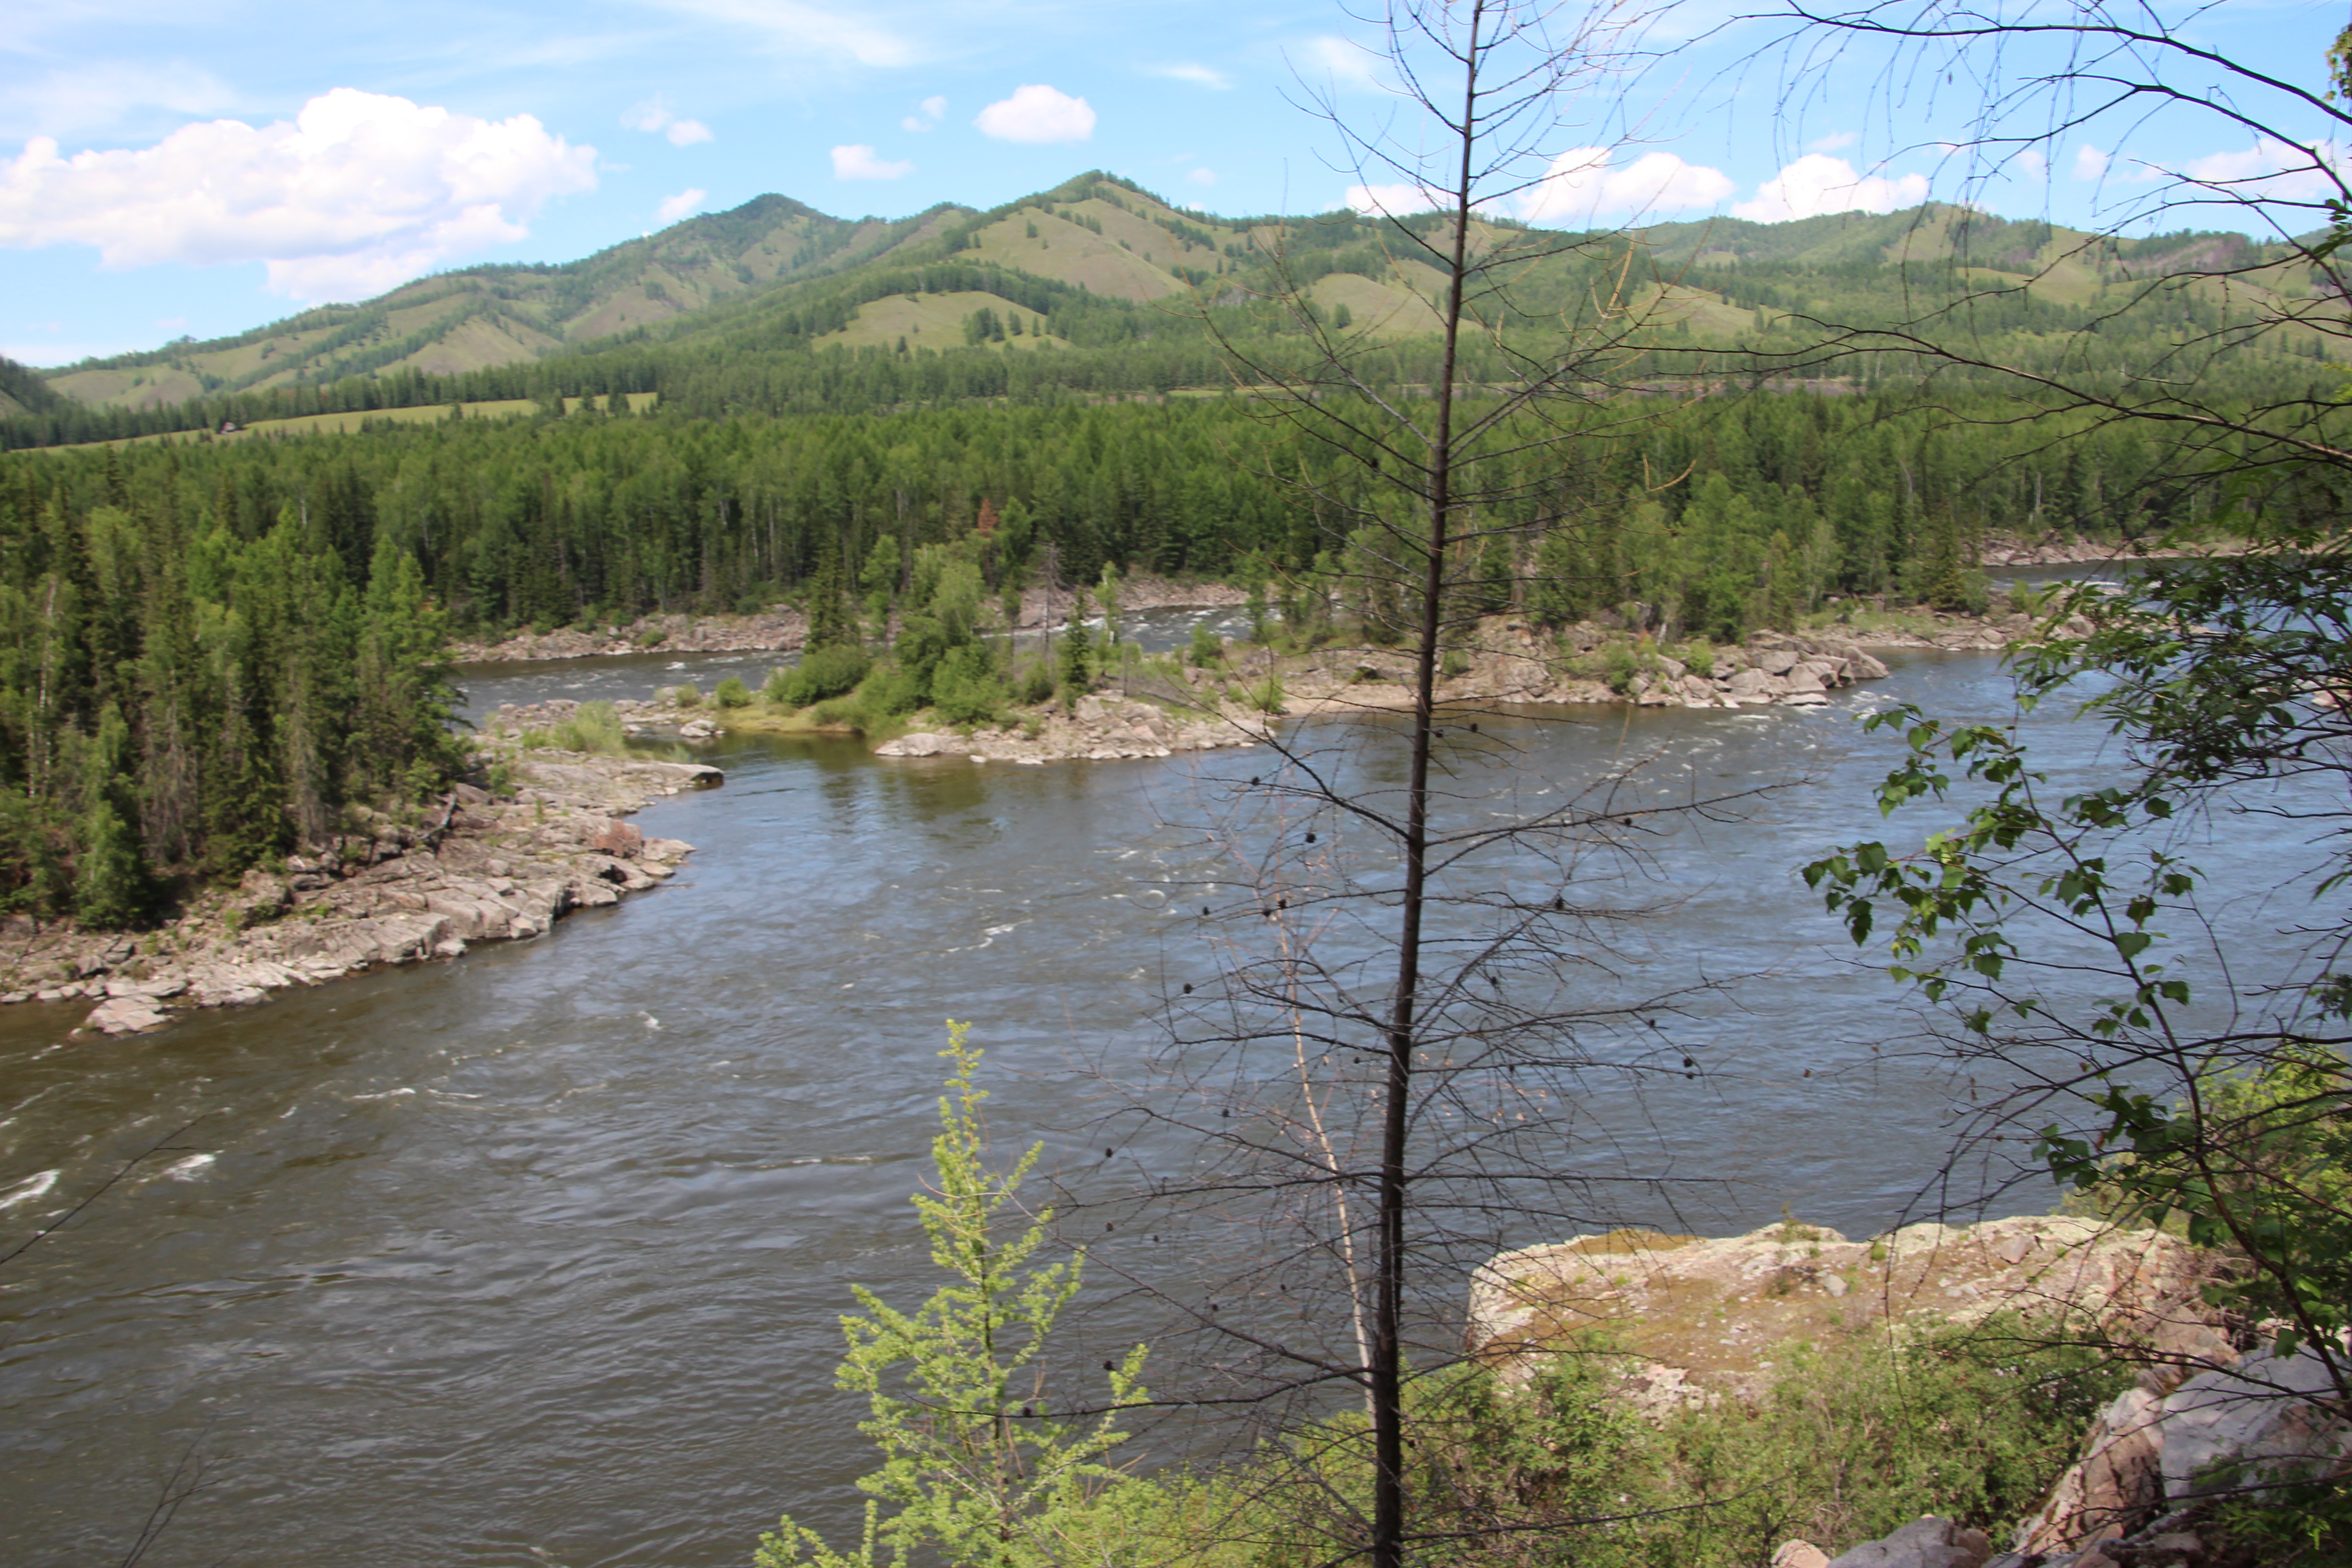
351, 423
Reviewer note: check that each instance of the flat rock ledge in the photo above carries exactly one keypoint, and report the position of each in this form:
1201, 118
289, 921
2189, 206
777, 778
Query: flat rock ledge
485, 870
1706, 1319
1100, 729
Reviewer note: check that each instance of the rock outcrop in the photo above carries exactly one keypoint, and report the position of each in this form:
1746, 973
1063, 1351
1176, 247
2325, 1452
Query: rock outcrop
486, 870
1704, 1319
1100, 729
2263, 1418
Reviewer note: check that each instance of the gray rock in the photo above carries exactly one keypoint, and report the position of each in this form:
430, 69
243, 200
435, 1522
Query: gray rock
1928, 1542
2252, 1421
1775, 660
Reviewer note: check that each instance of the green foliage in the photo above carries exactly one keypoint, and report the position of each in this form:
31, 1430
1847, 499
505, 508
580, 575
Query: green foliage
591, 727
2244, 1136
966, 688
1619, 666
1265, 696
732, 693
1858, 1437
2257, 1163
1698, 658
220, 685
1208, 649
976, 1467
1077, 651
110, 883
822, 673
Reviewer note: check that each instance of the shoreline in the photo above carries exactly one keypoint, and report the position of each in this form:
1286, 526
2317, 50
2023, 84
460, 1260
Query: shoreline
781, 628
386, 893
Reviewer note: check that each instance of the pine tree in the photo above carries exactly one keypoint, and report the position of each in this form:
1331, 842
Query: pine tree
110, 883
1077, 651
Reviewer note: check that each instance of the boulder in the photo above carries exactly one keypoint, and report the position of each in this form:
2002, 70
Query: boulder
125, 1015
2114, 1484
1800, 1554
922, 743
1751, 686
621, 840
1928, 1542
2255, 1421
1775, 660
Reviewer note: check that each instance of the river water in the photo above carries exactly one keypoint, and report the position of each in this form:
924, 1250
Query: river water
537, 1256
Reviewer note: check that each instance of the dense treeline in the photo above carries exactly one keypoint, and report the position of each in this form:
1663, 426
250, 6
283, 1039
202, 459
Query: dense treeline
1729, 513
207, 651
188, 689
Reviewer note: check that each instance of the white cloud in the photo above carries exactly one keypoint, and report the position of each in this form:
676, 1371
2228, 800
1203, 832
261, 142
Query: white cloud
653, 115
932, 108
2268, 170
858, 163
1203, 177
1392, 201
360, 193
1817, 184
682, 205
1337, 57
2032, 163
1199, 76
2090, 163
1583, 186
1038, 113
1836, 141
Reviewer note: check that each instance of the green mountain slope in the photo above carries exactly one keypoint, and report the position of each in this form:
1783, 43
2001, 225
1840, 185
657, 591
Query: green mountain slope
1109, 290
484, 317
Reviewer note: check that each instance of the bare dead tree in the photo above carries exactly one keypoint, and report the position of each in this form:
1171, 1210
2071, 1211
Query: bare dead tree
1431, 937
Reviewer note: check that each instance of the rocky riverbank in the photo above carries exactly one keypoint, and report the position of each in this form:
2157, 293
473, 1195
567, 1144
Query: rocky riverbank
782, 628
481, 869
1098, 729
1703, 1321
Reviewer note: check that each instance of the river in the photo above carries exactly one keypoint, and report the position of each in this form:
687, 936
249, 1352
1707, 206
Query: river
537, 1256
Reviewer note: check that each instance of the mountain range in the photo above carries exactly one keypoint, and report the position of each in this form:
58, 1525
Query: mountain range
1081, 267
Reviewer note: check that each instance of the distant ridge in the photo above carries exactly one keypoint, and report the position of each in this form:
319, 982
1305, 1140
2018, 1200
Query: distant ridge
736, 311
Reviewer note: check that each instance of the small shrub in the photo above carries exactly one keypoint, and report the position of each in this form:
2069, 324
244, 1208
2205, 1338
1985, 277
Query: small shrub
892, 690
1699, 659
732, 693
1619, 667
1265, 696
591, 727
1036, 684
822, 673
1454, 663
1207, 649
965, 689
685, 696
652, 637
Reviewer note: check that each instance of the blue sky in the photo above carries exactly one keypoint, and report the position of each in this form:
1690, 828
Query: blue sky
168, 168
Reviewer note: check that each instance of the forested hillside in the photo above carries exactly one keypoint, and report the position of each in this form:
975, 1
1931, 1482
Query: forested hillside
212, 644
187, 690
773, 308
